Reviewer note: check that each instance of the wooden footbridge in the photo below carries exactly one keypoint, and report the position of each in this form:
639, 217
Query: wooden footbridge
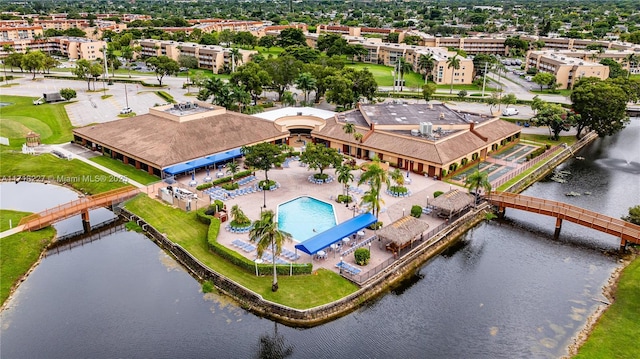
627, 232
79, 206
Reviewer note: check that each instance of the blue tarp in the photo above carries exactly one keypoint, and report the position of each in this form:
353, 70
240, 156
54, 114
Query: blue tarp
203, 162
335, 234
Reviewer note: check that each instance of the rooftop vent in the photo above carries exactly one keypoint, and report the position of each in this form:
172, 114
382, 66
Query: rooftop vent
441, 114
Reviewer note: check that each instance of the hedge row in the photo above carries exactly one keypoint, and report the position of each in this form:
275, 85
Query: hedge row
115, 79
166, 96
236, 258
218, 181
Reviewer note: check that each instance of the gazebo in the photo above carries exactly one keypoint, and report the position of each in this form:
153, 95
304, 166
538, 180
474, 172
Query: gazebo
33, 139
451, 203
402, 233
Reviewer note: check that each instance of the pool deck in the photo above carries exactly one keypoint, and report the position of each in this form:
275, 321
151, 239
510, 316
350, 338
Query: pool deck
294, 183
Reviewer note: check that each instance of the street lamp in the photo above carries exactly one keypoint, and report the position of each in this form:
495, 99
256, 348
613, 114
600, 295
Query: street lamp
370, 251
340, 266
257, 261
403, 212
264, 195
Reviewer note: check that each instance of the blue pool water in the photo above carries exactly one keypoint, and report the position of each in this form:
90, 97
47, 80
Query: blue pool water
301, 216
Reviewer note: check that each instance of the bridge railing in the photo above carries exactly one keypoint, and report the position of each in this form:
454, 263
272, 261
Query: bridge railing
570, 212
72, 208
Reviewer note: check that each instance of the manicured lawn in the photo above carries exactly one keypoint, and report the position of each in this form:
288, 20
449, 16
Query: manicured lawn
207, 73
618, 329
275, 51
7, 216
565, 92
303, 291
569, 140
470, 87
18, 253
48, 120
126, 170
413, 81
76, 173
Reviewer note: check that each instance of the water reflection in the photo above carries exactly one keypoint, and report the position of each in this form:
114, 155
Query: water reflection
274, 346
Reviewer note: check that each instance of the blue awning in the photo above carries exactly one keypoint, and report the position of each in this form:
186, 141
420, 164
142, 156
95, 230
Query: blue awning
203, 162
335, 234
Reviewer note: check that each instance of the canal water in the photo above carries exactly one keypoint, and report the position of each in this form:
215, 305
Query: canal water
506, 290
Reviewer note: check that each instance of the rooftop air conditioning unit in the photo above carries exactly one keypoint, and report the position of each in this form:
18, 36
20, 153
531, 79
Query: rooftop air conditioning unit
426, 128
430, 106
441, 115
415, 132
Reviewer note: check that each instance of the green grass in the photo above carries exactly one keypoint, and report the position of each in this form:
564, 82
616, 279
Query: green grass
7, 216
563, 92
470, 87
383, 75
618, 329
569, 140
127, 170
49, 120
207, 73
302, 291
78, 174
18, 253
274, 51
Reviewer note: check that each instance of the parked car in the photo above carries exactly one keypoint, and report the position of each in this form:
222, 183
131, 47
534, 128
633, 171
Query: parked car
126, 110
510, 111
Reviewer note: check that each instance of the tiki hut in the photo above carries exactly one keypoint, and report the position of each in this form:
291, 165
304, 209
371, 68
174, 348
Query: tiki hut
402, 233
451, 203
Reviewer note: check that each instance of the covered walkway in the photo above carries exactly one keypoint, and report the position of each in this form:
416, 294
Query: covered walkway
203, 162
332, 235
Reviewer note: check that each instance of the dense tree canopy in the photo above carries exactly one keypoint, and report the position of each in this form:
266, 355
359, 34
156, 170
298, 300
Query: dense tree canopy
602, 106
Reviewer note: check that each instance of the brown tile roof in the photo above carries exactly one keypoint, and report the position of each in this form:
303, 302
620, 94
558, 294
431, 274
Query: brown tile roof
163, 142
441, 152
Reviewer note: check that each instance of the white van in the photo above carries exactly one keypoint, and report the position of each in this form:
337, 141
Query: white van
510, 111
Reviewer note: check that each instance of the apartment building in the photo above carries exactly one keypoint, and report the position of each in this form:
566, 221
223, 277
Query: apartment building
209, 57
360, 31
620, 56
19, 32
568, 70
71, 47
385, 53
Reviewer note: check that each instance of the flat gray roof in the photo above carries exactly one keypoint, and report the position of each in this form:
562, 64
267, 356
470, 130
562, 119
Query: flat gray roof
407, 114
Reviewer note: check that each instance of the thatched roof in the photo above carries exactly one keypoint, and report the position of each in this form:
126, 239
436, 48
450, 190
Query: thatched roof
402, 231
452, 201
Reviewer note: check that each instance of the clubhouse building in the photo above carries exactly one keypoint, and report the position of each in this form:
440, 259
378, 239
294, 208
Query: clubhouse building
429, 139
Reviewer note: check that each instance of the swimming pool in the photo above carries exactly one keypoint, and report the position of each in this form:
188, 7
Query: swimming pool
304, 217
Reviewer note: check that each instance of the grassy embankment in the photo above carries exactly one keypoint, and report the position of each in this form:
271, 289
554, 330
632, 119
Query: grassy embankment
303, 291
618, 329
19, 252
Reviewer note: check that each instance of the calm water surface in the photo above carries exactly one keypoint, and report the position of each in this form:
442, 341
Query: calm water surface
506, 290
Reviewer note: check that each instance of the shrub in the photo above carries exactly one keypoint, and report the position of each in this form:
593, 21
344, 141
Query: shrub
398, 189
266, 186
444, 173
362, 256
231, 186
462, 93
321, 176
375, 226
342, 198
207, 287
165, 96
437, 193
204, 186
416, 211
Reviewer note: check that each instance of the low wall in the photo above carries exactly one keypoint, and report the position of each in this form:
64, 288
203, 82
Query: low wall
375, 286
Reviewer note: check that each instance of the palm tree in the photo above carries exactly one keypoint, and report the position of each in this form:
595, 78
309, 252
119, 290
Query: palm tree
265, 234
375, 176
397, 176
238, 217
426, 63
306, 82
232, 169
235, 58
632, 60
478, 180
403, 66
127, 54
349, 129
372, 198
455, 63
345, 176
